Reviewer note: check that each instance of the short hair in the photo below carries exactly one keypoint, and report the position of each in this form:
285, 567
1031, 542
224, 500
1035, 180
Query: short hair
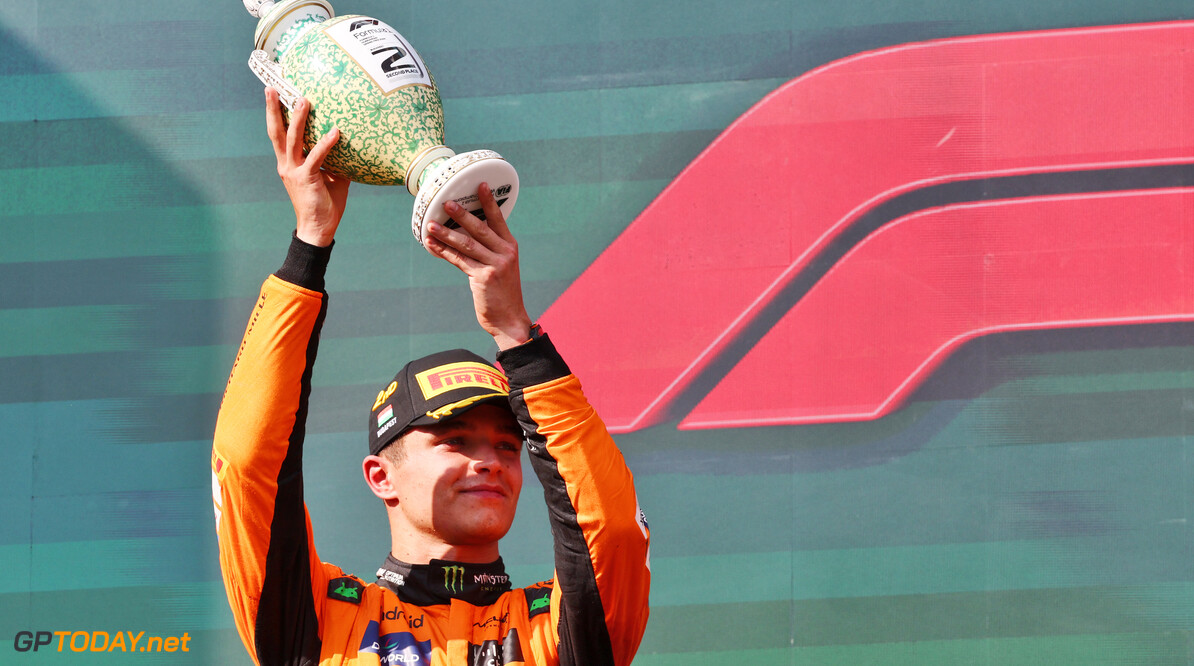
395, 452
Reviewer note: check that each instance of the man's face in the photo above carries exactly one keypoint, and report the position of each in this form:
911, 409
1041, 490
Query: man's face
459, 481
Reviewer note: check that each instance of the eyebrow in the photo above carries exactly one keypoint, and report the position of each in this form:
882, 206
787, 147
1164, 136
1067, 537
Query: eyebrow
464, 425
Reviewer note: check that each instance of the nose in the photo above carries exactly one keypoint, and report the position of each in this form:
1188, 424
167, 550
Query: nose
485, 458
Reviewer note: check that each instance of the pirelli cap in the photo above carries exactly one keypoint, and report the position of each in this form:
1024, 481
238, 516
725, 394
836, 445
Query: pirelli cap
433, 389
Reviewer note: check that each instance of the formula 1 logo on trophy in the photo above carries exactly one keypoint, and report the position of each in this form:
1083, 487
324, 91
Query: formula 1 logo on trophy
362, 76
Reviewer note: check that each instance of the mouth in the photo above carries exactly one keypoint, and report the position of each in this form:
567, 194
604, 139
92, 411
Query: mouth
486, 491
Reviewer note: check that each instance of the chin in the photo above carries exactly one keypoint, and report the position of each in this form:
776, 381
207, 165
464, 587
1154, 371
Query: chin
476, 523
485, 532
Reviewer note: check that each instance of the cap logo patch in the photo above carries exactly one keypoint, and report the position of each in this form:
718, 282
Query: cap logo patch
384, 394
454, 376
385, 415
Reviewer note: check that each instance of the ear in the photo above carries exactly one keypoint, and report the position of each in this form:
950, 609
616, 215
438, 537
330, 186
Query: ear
380, 478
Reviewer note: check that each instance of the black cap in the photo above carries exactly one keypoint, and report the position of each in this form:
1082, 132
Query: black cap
433, 389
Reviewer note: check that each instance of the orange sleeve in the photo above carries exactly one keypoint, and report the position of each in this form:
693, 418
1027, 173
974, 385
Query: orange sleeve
600, 602
270, 567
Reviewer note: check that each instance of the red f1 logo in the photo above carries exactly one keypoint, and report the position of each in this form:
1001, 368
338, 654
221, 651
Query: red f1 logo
842, 238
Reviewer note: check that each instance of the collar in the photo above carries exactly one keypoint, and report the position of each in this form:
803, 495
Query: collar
440, 581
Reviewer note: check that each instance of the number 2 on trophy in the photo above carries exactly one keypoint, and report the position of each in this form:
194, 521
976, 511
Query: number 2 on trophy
391, 63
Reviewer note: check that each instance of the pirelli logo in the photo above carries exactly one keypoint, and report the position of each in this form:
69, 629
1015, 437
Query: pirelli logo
460, 375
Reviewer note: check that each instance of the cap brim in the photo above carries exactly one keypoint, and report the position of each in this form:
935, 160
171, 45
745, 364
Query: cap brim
445, 416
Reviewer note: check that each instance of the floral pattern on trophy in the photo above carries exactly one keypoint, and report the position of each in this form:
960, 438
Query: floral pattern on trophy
388, 131
297, 28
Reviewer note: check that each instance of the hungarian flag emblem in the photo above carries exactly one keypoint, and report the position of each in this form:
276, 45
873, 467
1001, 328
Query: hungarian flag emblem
385, 415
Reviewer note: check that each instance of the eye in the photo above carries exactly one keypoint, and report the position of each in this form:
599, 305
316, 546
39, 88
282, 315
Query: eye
513, 447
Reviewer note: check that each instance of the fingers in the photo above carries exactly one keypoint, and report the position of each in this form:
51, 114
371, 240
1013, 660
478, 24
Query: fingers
321, 149
440, 248
275, 125
491, 233
289, 142
493, 213
458, 246
297, 131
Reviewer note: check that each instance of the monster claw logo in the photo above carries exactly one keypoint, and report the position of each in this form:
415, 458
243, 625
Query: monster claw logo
454, 579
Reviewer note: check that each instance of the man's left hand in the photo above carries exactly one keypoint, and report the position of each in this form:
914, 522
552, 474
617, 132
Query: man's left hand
487, 253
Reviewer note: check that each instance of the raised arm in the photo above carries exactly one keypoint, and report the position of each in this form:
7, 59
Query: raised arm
599, 604
272, 575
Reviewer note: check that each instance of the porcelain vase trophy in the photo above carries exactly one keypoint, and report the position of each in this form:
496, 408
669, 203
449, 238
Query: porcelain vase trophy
362, 76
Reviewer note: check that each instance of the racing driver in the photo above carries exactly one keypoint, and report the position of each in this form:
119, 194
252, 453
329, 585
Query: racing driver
445, 440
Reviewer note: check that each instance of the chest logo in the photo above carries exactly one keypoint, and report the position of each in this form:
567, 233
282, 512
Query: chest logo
538, 600
400, 648
454, 579
345, 589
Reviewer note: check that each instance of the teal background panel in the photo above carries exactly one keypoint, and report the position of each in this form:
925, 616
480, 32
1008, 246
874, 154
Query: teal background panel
1029, 505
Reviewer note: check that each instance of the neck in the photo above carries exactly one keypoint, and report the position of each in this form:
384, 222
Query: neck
415, 547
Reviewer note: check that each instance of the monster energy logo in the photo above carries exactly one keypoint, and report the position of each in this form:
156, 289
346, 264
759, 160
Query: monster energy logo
454, 579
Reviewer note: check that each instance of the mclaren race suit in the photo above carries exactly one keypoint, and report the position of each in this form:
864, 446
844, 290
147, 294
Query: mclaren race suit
291, 608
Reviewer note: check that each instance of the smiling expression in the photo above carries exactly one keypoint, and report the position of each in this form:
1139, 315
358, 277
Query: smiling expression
459, 481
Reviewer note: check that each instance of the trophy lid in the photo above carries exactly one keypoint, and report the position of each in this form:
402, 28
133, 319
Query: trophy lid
259, 8
278, 18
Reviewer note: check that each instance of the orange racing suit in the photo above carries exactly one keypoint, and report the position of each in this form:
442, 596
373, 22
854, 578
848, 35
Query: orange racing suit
291, 608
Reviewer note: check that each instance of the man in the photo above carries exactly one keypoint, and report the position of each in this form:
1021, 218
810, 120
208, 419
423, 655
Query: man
444, 445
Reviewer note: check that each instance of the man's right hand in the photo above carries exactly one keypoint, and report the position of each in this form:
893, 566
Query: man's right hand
318, 197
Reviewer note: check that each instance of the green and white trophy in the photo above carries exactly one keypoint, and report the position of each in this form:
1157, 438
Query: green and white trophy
362, 76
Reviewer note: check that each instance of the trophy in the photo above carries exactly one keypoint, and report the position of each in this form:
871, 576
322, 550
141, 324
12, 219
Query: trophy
363, 77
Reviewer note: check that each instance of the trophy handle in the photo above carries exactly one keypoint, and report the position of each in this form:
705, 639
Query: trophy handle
271, 74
